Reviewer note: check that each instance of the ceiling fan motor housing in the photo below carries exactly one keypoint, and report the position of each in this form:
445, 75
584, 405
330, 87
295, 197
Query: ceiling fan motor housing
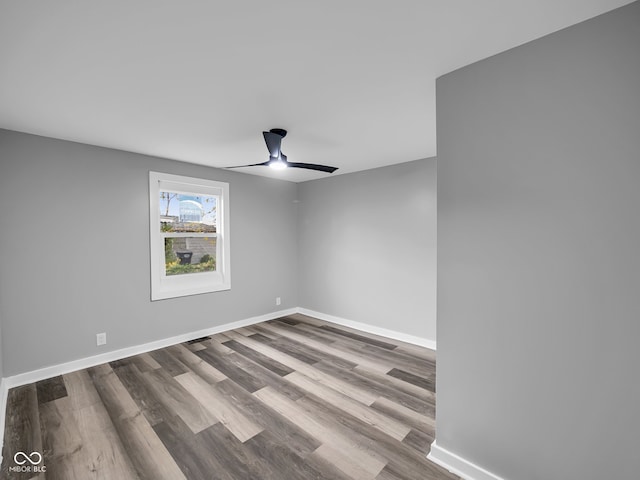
279, 131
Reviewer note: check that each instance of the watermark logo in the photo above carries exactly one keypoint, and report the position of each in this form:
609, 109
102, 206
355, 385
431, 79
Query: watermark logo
35, 458
30, 463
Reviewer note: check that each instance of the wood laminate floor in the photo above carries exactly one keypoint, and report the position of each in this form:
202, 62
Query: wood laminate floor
293, 398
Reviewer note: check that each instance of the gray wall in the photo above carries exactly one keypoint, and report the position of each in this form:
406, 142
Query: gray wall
89, 206
367, 247
538, 255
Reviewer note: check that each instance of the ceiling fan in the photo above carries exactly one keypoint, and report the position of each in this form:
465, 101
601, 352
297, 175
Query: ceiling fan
278, 160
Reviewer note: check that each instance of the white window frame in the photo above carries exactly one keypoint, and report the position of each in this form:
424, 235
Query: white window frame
163, 286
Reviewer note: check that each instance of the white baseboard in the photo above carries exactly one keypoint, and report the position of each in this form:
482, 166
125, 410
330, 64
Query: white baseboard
365, 327
61, 369
458, 465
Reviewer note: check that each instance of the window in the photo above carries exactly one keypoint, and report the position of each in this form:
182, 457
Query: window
189, 234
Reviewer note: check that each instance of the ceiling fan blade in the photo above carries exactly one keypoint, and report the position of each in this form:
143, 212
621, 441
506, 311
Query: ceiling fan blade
252, 165
273, 141
313, 166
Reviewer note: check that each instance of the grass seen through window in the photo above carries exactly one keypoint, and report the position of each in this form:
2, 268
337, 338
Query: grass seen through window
205, 265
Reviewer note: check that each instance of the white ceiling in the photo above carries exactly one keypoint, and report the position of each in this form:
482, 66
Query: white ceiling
352, 80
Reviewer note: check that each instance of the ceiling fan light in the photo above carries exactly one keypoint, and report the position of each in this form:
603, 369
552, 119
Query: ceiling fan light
278, 164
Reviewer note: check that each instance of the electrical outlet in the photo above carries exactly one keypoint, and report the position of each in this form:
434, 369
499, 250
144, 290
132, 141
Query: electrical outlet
278, 301
101, 338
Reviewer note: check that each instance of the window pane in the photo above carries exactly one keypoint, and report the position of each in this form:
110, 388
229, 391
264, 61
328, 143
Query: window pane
189, 255
187, 213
